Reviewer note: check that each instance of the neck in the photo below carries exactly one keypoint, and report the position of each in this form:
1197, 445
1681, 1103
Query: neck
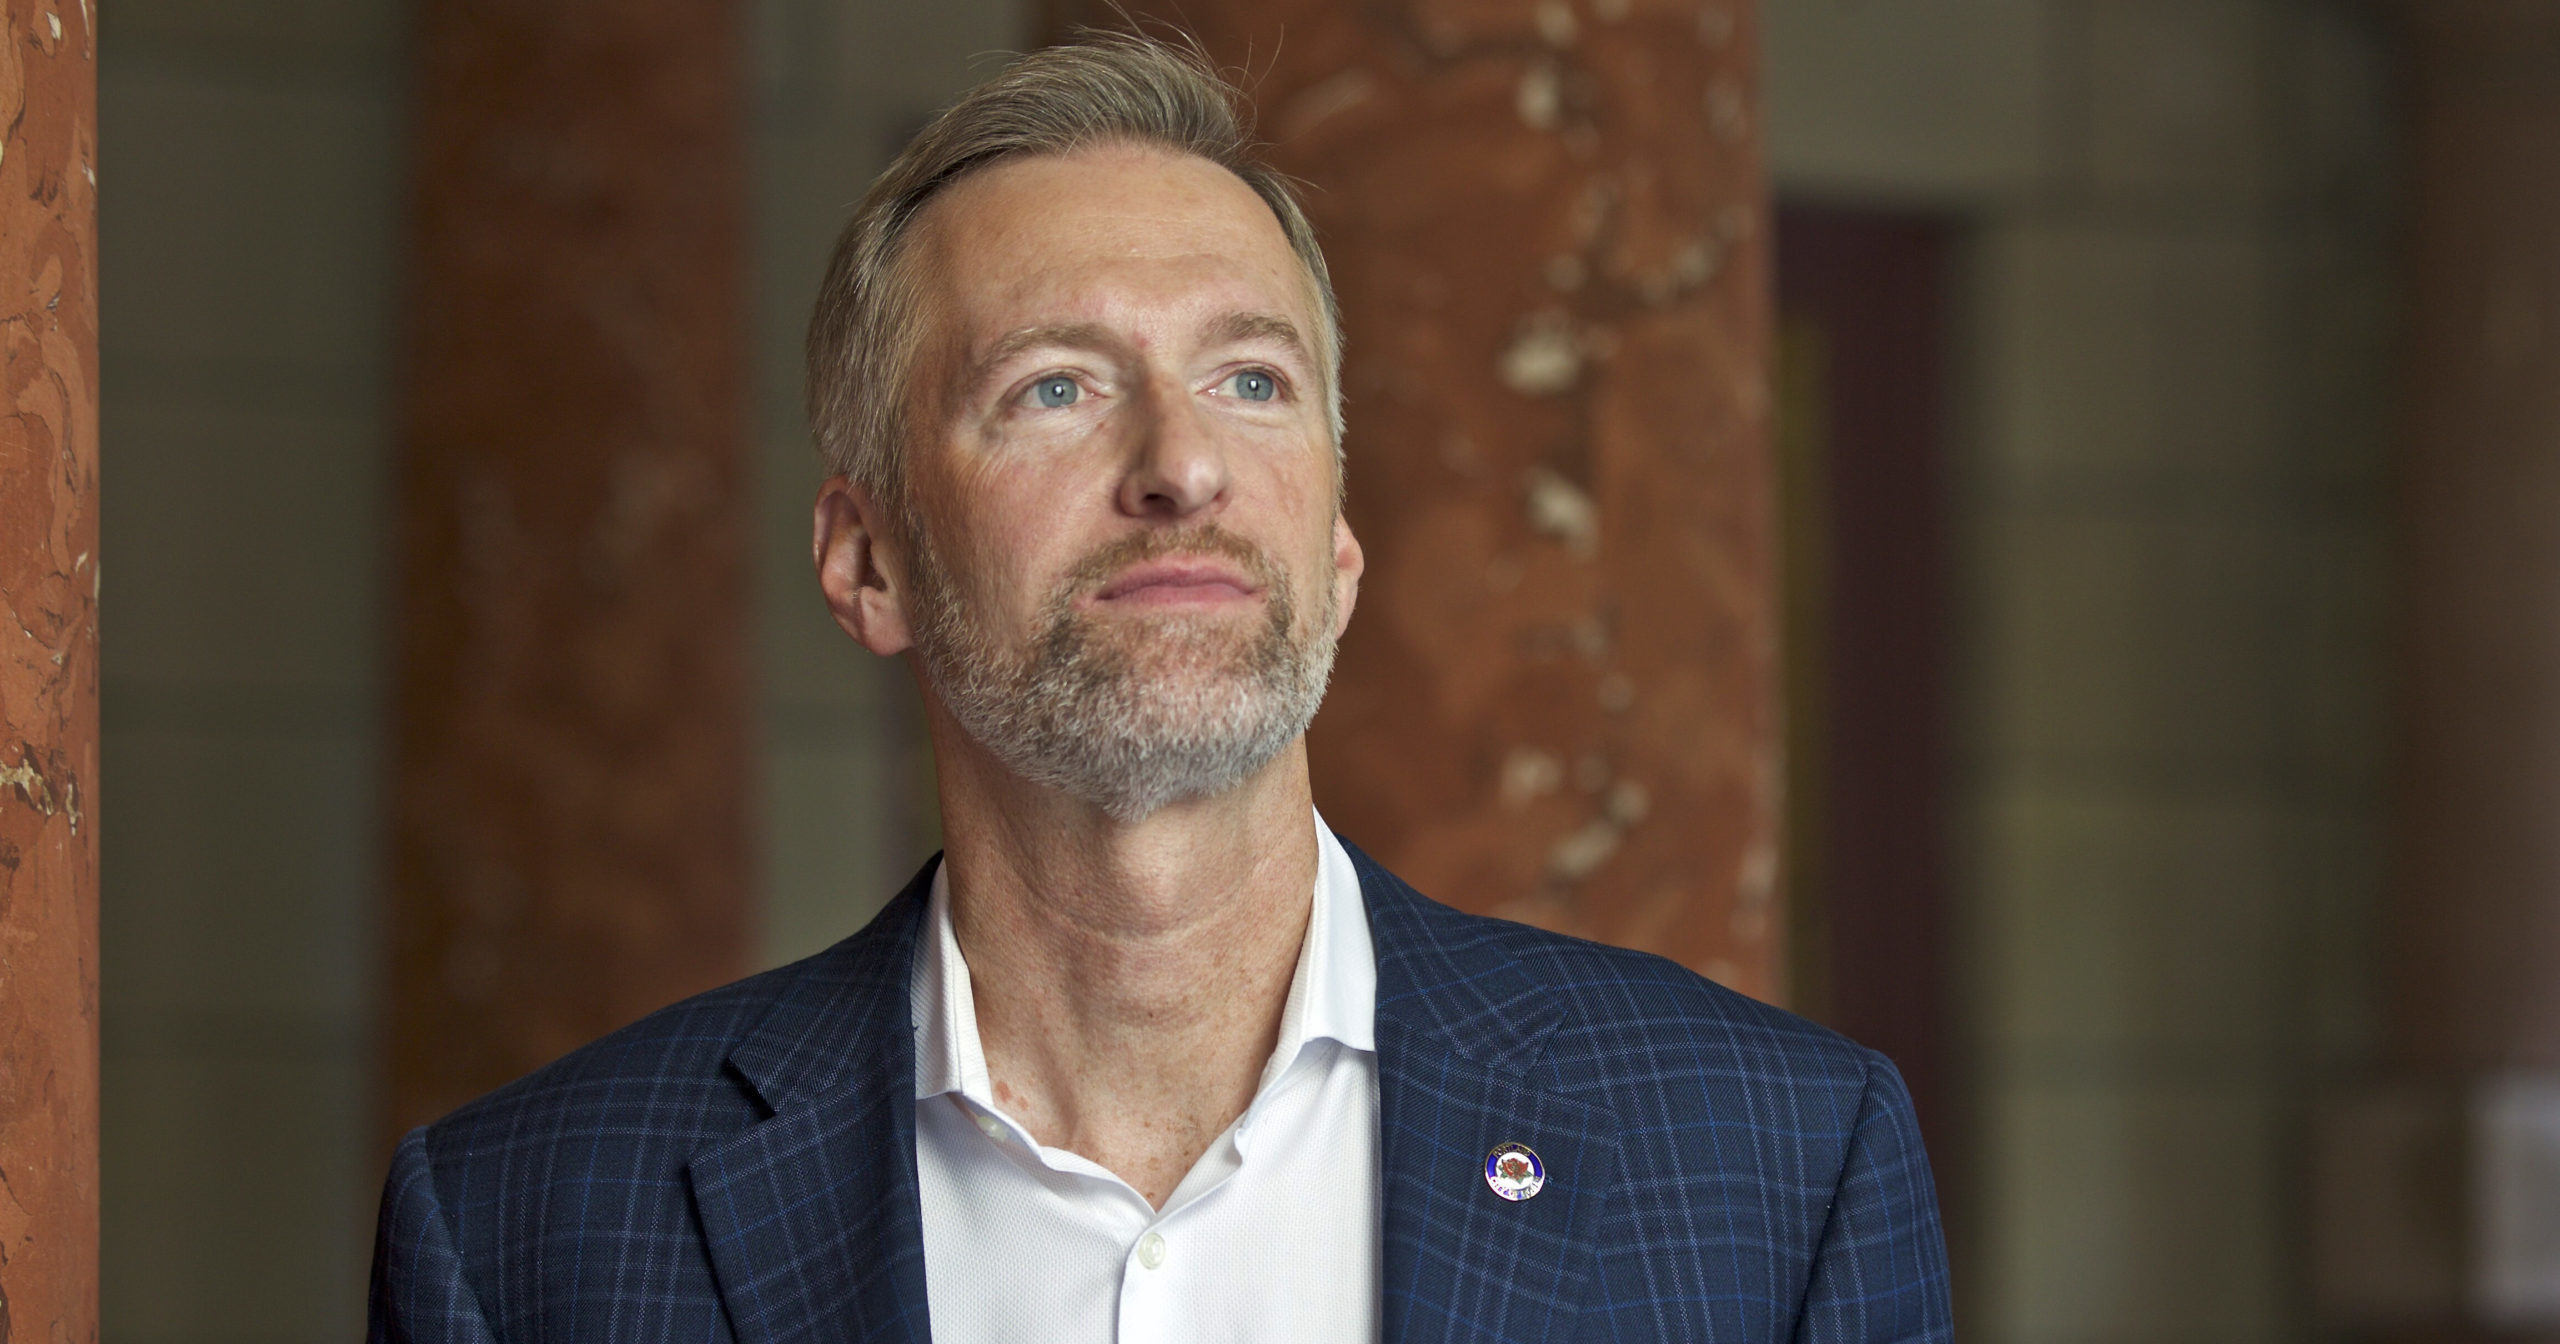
1128, 977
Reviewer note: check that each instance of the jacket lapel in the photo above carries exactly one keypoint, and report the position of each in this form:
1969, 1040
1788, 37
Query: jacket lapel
811, 1215
1462, 1033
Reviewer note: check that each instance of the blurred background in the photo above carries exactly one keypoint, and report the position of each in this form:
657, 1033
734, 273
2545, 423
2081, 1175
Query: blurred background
2119, 469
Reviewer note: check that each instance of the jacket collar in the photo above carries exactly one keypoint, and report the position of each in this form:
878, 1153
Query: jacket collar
813, 1219
1447, 978
811, 1214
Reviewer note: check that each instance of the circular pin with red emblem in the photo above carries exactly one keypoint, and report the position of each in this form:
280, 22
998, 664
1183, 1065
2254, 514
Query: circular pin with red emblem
1514, 1172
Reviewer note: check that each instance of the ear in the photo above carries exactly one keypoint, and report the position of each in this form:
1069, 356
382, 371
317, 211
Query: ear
859, 568
1348, 564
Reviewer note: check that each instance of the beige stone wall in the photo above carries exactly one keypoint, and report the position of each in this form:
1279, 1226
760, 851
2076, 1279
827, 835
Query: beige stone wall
251, 173
2173, 510
248, 182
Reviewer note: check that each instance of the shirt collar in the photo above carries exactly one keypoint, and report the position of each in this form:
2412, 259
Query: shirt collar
1333, 993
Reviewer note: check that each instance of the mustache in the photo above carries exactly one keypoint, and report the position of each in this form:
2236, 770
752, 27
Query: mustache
1106, 561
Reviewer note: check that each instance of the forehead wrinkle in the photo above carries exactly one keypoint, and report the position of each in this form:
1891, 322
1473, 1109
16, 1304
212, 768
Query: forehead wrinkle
1198, 209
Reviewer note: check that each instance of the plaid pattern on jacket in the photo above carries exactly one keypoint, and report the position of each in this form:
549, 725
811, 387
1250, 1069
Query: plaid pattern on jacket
741, 1166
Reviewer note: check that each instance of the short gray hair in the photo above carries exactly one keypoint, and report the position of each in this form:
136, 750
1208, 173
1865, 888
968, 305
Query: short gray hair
1105, 88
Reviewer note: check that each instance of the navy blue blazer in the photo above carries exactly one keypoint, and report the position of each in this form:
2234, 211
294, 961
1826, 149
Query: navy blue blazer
741, 1166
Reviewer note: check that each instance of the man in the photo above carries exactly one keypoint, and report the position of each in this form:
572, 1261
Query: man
1148, 1053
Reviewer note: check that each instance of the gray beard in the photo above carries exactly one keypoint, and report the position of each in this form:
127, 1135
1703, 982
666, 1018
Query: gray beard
1128, 719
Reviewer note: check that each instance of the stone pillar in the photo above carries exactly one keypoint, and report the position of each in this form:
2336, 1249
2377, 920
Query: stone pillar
1549, 225
571, 753
2452, 1168
48, 672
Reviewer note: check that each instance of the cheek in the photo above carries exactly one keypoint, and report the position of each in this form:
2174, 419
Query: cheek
999, 522
1310, 500
1305, 528
1022, 549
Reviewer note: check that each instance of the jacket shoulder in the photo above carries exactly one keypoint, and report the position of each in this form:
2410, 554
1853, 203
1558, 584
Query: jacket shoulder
1620, 1015
1617, 998
680, 1048
554, 1189
679, 1069
1706, 1088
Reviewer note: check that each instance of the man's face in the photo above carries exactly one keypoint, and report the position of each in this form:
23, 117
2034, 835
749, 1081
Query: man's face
1129, 569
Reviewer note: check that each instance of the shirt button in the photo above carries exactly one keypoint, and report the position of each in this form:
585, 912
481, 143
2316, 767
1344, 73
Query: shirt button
1151, 1250
994, 1128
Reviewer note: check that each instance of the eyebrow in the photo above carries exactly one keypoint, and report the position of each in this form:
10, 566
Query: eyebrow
1225, 329
1070, 335
1235, 328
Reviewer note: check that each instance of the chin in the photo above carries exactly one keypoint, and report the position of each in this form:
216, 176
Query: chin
1137, 709
1182, 641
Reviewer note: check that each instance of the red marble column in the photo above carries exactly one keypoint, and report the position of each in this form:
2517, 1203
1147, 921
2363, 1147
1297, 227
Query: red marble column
1549, 225
49, 808
571, 757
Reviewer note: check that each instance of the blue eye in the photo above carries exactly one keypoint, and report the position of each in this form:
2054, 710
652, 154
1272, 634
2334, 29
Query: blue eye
1058, 391
1255, 385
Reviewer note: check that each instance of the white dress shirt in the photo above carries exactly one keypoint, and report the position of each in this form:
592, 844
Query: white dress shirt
1273, 1235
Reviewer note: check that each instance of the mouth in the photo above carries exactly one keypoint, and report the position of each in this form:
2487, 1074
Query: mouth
1177, 581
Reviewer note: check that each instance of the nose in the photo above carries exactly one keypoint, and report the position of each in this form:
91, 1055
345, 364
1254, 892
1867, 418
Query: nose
1178, 467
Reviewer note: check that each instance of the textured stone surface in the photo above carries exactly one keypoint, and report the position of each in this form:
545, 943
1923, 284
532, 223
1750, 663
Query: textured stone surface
48, 674
1942, 100
255, 186
1549, 226
569, 832
2134, 1210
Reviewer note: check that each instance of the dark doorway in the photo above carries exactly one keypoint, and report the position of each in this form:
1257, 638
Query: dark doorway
1863, 334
